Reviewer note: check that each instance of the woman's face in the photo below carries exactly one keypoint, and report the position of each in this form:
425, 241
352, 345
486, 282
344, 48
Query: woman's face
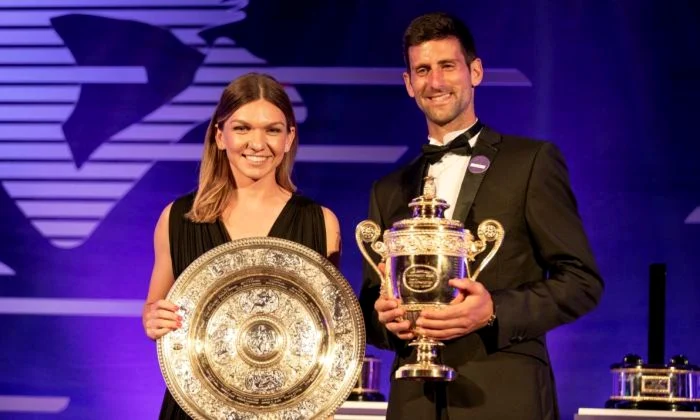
255, 139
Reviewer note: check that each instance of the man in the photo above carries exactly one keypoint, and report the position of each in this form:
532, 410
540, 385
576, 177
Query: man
543, 276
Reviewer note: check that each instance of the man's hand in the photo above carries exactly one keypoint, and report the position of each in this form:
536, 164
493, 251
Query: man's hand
390, 313
468, 312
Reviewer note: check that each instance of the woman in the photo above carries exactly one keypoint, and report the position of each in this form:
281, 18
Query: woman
245, 190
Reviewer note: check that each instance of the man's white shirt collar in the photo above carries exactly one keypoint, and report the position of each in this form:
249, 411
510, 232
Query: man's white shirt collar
453, 135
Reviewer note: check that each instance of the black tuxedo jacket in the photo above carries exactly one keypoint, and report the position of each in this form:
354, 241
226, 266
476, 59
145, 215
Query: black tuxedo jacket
543, 276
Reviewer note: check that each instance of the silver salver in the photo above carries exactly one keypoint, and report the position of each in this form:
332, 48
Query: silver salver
270, 330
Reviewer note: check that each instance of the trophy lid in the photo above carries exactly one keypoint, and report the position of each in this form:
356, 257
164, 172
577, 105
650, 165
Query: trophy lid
635, 362
428, 205
428, 211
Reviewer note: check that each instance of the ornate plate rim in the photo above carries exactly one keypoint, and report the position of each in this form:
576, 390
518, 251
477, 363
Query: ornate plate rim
332, 273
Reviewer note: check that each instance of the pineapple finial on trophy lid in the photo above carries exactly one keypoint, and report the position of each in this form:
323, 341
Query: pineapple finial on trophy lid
428, 205
429, 188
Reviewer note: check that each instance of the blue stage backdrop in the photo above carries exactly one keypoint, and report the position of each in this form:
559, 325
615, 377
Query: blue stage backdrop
103, 106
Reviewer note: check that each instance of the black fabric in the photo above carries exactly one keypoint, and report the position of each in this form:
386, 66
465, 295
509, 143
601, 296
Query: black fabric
459, 146
472, 181
301, 221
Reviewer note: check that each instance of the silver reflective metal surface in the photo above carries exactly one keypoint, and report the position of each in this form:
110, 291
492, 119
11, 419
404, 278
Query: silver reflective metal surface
367, 386
422, 254
673, 387
270, 330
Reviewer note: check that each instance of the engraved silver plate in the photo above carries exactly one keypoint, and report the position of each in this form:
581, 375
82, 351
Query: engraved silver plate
270, 330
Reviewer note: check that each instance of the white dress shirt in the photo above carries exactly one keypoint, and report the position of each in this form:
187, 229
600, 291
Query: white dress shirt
450, 171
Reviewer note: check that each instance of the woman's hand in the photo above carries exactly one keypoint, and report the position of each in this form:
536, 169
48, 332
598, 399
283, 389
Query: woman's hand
159, 318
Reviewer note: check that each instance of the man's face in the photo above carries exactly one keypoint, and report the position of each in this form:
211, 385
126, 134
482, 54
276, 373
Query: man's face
442, 84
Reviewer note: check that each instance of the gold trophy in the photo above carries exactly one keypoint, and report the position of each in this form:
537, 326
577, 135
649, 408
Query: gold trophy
422, 254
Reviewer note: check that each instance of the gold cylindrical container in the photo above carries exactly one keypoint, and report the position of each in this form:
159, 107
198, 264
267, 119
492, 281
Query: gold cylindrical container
640, 386
367, 385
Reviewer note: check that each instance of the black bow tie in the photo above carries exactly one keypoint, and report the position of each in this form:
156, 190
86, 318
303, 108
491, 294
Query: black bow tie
458, 146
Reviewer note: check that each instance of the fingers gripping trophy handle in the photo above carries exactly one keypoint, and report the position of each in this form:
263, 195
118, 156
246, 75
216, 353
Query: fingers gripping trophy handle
368, 232
488, 231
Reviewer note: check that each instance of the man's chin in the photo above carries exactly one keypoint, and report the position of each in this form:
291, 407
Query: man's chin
440, 114
440, 120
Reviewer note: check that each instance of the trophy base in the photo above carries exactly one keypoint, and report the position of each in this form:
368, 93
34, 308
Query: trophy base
366, 396
425, 372
654, 405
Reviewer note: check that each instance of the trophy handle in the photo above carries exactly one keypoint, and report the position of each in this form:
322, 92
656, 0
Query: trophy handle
488, 231
369, 232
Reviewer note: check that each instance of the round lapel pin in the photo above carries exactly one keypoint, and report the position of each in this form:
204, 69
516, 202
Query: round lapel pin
478, 164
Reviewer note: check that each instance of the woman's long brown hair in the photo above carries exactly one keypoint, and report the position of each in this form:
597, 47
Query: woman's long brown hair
216, 182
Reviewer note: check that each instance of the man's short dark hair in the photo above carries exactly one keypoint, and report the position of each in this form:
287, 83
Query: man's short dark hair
435, 26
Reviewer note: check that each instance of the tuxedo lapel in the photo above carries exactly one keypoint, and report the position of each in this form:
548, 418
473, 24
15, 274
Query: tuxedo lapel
483, 155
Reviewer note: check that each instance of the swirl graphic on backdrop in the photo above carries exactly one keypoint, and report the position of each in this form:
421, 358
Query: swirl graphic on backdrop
68, 156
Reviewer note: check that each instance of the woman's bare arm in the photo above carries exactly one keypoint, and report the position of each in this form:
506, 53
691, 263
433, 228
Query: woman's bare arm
159, 315
333, 242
